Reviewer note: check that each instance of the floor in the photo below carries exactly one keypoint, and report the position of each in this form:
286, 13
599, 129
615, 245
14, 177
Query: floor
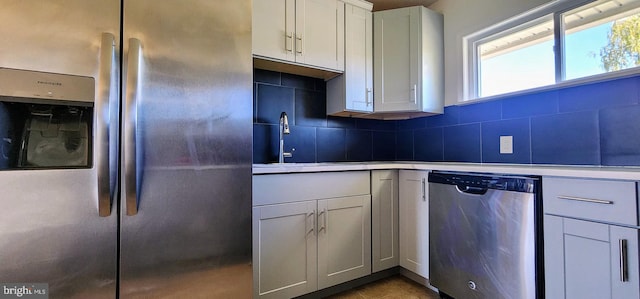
395, 287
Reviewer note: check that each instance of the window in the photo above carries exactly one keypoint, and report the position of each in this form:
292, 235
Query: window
601, 37
561, 41
518, 59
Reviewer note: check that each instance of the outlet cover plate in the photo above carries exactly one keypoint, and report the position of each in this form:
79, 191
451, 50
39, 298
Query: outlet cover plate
506, 144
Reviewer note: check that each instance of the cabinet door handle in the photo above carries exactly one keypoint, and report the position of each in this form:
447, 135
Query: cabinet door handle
424, 189
288, 42
313, 222
326, 221
323, 213
624, 269
367, 98
299, 47
591, 200
415, 93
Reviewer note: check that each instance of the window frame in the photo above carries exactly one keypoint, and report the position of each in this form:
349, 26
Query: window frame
555, 9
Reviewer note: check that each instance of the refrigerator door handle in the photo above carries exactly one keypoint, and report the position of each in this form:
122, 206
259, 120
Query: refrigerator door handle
103, 116
130, 123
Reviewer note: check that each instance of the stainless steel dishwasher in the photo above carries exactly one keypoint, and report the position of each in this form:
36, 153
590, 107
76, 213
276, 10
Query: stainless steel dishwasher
485, 236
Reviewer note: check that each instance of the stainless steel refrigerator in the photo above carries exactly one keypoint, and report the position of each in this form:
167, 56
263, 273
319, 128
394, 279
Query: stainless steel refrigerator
126, 141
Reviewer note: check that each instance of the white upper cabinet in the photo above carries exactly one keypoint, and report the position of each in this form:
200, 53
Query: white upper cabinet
408, 61
352, 92
320, 33
304, 32
273, 28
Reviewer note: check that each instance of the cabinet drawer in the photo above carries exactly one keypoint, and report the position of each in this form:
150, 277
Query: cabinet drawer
600, 200
292, 187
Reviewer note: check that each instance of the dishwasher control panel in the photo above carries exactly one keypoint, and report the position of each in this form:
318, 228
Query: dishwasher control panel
485, 181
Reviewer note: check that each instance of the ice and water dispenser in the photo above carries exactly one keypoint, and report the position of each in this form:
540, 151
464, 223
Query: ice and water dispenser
46, 120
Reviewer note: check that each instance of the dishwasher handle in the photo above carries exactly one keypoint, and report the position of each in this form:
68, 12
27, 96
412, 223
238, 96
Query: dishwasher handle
471, 189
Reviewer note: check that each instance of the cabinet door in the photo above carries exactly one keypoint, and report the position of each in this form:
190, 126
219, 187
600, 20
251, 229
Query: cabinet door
284, 250
414, 221
384, 219
583, 259
273, 28
624, 258
344, 239
553, 257
358, 58
587, 260
397, 42
319, 36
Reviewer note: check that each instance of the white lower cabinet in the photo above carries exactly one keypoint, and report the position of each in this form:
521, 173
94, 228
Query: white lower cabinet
384, 219
414, 221
285, 250
585, 259
590, 239
344, 239
304, 244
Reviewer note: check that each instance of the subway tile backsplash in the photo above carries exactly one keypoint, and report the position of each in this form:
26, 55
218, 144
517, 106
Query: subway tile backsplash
566, 138
315, 136
518, 128
594, 124
620, 135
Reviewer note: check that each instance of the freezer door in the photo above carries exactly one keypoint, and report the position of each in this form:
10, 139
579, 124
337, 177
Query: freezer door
186, 149
60, 226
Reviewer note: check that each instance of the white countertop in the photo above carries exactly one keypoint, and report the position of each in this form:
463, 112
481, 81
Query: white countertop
601, 172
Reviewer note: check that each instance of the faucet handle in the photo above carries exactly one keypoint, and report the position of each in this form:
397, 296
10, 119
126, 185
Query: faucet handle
289, 155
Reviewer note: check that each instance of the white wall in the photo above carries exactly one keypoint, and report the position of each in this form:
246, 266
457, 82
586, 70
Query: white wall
463, 17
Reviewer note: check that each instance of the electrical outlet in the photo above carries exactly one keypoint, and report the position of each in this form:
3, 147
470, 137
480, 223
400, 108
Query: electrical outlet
506, 144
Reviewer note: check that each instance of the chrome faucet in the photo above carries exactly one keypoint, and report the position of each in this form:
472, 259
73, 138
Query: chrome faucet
283, 129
